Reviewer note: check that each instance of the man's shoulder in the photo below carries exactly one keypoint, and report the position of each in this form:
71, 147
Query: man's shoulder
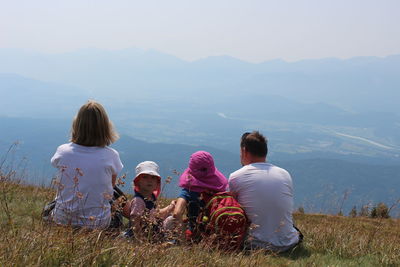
277, 167
281, 170
257, 168
240, 172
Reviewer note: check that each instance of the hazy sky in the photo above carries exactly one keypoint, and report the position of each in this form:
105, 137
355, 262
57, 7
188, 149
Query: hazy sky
252, 30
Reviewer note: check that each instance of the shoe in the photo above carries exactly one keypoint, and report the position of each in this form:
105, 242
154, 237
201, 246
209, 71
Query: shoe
128, 234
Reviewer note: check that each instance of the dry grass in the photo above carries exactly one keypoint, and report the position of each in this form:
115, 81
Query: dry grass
329, 241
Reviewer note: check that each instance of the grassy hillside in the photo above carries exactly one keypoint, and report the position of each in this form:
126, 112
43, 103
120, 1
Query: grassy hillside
329, 240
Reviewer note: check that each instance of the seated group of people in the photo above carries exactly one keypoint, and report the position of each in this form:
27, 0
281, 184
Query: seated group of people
88, 169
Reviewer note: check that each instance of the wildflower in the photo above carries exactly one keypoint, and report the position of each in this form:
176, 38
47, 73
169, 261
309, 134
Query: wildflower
120, 182
92, 218
79, 171
60, 186
253, 226
63, 168
107, 196
79, 195
76, 180
281, 224
168, 180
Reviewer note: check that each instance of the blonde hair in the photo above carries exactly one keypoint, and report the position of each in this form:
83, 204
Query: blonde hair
91, 126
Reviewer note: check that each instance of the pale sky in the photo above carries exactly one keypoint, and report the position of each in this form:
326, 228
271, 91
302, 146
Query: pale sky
251, 30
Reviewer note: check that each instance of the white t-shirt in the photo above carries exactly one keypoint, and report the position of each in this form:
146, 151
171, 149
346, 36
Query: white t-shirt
84, 184
266, 194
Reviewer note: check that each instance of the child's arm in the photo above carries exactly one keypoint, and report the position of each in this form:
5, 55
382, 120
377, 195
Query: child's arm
176, 217
180, 207
113, 179
164, 212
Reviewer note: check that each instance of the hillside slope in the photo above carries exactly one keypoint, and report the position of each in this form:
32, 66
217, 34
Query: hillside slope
329, 241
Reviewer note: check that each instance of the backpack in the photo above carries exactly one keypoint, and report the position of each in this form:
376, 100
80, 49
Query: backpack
224, 221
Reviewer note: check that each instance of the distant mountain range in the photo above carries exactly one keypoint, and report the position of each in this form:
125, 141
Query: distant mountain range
361, 84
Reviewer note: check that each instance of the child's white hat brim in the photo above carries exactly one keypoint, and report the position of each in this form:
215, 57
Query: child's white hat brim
147, 167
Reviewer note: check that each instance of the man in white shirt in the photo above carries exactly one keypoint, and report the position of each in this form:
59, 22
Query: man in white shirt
266, 193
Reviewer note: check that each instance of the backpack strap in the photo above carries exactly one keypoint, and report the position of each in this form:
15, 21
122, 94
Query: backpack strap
224, 195
225, 208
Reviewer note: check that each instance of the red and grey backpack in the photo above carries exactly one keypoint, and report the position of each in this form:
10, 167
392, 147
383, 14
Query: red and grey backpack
224, 219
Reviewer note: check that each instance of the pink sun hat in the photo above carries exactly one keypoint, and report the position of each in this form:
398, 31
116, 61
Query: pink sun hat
202, 175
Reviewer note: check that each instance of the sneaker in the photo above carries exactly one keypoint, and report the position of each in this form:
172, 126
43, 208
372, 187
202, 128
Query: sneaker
128, 234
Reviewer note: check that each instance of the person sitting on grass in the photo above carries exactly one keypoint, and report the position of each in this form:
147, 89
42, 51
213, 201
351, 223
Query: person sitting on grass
265, 192
201, 176
87, 171
145, 220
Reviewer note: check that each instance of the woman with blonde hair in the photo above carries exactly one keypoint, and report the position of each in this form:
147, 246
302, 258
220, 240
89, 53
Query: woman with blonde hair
87, 170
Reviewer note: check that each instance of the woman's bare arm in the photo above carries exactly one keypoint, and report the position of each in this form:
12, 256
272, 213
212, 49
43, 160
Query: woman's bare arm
113, 179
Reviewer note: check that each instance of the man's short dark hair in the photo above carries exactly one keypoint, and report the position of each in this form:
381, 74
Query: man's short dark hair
254, 143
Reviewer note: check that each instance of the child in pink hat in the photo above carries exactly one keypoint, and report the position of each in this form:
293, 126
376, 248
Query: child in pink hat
142, 209
200, 177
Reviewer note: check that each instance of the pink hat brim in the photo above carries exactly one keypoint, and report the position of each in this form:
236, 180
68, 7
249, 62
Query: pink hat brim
215, 181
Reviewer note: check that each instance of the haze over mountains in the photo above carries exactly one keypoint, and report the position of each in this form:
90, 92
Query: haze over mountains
330, 111
139, 74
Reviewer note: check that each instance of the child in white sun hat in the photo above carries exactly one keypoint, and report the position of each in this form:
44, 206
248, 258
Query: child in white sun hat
144, 217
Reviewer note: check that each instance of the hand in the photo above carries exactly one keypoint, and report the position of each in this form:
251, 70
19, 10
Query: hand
172, 205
